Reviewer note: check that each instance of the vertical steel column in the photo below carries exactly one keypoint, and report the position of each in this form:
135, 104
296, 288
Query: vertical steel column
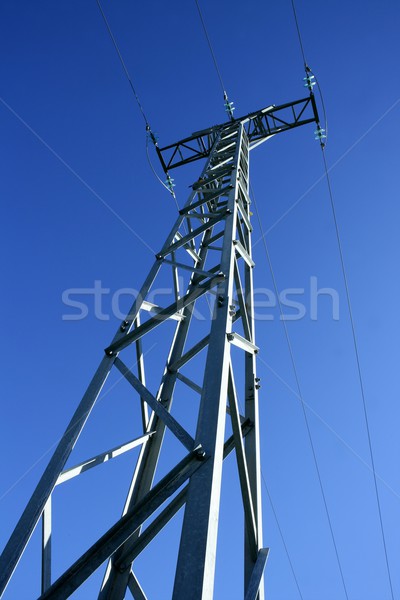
116, 581
46, 546
252, 441
196, 561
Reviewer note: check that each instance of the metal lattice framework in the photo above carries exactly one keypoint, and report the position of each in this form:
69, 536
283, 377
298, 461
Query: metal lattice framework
208, 253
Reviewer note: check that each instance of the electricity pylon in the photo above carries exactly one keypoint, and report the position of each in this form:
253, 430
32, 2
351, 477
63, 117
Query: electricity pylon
208, 255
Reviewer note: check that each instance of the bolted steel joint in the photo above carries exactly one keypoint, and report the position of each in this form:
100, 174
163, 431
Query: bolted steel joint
122, 567
199, 452
124, 325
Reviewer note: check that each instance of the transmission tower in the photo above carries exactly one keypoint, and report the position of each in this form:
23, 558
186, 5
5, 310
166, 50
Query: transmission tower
208, 255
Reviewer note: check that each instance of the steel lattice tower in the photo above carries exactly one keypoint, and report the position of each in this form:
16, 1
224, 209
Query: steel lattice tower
209, 249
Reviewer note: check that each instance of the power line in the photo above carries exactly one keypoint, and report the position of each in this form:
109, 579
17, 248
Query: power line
359, 372
169, 185
114, 41
278, 525
229, 107
307, 69
300, 394
281, 535
299, 35
210, 47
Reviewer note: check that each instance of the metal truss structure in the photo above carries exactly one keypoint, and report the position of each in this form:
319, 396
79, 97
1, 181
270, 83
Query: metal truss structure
208, 255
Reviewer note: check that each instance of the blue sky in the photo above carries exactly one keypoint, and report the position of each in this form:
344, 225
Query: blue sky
78, 195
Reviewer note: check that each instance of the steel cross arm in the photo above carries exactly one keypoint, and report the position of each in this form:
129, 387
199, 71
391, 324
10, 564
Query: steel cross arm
135, 587
211, 195
180, 433
257, 574
46, 545
125, 560
163, 315
95, 461
73, 577
190, 236
260, 125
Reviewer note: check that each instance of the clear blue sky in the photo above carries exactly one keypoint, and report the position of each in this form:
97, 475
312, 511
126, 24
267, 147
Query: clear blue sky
71, 135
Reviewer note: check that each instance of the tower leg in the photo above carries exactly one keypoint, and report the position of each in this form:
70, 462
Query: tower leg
196, 561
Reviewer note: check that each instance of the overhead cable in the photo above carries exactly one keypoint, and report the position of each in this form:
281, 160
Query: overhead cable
229, 107
168, 185
296, 581
114, 41
210, 47
359, 371
353, 331
299, 35
309, 73
282, 537
300, 395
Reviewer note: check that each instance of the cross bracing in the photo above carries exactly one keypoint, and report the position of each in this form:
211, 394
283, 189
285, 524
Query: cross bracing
207, 255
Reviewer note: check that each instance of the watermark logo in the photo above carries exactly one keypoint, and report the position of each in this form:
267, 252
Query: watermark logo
295, 303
